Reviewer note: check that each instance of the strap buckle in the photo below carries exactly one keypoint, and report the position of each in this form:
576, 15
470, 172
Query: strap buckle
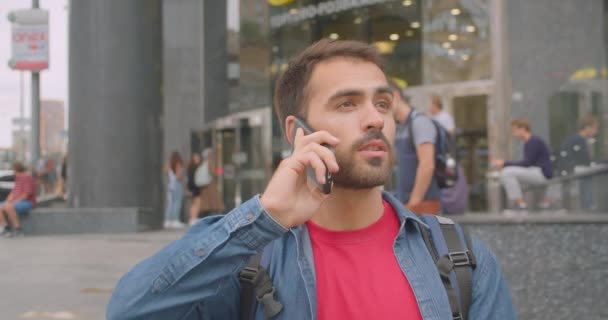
249, 275
456, 316
460, 258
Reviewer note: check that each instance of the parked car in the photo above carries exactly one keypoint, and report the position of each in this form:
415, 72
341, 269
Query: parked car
7, 183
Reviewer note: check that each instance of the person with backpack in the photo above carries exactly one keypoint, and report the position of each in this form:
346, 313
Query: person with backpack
310, 252
194, 190
415, 142
455, 198
211, 200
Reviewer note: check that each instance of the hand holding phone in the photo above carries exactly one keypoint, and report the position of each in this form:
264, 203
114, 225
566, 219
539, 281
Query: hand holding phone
302, 181
325, 187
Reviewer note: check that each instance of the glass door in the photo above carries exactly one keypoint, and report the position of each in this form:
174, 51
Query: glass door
243, 149
470, 114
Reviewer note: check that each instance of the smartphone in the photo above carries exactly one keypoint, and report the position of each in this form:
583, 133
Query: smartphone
325, 187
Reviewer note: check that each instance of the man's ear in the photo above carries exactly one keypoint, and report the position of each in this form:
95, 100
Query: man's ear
290, 126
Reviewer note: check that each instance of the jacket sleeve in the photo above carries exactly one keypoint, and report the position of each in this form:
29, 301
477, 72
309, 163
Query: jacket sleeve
491, 295
201, 266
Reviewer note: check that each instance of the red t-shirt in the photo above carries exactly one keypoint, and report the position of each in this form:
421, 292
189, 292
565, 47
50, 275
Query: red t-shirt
25, 185
358, 276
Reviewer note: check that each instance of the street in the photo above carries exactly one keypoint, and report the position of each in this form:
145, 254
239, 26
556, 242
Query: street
69, 277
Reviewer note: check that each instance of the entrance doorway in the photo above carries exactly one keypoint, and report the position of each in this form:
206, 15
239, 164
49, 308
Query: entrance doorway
470, 115
242, 142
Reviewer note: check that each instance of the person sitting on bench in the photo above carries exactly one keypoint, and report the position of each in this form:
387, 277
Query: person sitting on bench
19, 202
534, 168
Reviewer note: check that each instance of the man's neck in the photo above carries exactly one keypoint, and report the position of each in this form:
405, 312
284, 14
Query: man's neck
527, 136
348, 209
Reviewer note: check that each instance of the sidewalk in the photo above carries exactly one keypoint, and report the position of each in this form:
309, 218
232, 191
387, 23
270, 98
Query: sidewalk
69, 277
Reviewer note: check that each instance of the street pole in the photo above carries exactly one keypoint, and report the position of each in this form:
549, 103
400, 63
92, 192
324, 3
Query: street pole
35, 125
21, 142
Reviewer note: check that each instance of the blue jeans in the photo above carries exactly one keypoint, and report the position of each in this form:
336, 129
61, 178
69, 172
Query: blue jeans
175, 197
22, 207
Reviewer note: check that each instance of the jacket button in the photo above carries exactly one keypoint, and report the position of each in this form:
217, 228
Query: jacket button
201, 252
249, 216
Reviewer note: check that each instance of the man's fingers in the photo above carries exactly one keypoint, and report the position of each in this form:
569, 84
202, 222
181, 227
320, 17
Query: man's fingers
319, 137
327, 156
313, 160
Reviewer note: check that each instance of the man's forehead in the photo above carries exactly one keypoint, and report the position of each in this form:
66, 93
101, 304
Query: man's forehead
346, 74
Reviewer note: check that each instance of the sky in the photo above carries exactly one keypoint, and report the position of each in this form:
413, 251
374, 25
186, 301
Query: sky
53, 82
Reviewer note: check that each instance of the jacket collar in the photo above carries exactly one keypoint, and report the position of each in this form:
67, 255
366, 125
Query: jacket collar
404, 214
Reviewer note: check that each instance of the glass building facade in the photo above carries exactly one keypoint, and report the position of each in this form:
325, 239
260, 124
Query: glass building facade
488, 60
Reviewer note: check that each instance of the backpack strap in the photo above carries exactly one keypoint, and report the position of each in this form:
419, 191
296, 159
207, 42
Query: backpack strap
449, 246
256, 286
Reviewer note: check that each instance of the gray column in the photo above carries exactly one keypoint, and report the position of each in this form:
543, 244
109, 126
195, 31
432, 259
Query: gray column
499, 113
115, 104
215, 57
183, 71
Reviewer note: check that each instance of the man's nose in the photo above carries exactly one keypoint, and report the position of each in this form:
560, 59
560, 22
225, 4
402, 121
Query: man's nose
372, 118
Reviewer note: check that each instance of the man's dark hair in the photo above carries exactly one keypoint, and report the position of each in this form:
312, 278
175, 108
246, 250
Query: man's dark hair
291, 90
18, 167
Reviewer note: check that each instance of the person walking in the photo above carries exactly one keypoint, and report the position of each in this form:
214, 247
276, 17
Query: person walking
175, 192
194, 190
353, 253
210, 199
417, 187
443, 117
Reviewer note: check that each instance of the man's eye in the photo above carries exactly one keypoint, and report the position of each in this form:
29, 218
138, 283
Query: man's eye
383, 104
346, 104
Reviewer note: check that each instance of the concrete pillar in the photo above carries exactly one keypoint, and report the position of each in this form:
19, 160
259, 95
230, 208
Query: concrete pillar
115, 104
499, 113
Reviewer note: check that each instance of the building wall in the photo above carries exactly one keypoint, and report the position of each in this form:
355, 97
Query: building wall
555, 269
549, 40
195, 83
215, 59
116, 103
182, 74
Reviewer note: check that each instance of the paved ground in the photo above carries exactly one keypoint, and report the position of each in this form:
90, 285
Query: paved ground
68, 277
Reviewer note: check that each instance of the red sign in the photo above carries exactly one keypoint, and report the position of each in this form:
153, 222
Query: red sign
30, 47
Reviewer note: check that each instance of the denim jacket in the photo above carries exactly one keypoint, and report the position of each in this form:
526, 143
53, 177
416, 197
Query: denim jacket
196, 277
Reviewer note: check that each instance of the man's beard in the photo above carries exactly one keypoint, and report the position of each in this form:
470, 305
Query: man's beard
364, 174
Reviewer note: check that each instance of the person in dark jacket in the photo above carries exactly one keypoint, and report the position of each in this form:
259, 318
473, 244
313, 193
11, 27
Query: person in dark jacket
534, 168
575, 157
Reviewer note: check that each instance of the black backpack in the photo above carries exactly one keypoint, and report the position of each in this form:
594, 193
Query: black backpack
447, 242
446, 152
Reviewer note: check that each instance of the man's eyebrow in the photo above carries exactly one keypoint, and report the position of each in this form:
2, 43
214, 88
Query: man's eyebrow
356, 92
346, 93
384, 89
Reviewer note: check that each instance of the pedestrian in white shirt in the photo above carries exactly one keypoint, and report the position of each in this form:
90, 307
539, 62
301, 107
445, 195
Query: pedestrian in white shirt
440, 115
